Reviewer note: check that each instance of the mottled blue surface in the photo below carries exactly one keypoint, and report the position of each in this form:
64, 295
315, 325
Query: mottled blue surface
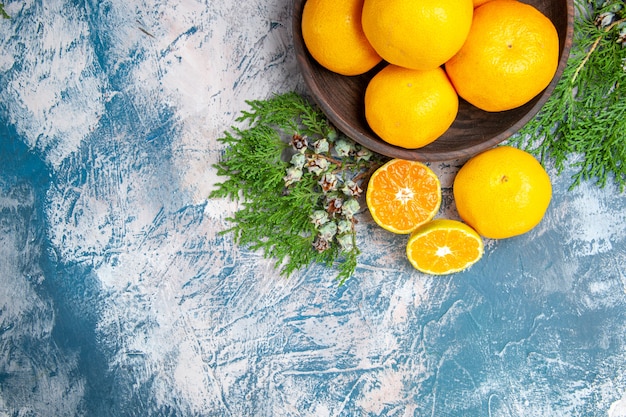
118, 297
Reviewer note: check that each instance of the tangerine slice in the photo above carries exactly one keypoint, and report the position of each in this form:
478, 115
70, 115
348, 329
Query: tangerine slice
444, 246
402, 195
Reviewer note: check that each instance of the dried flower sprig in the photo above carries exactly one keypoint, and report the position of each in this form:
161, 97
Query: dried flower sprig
336, 163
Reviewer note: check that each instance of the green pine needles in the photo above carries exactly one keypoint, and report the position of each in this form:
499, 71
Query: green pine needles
3, 13
299, 182
586, 115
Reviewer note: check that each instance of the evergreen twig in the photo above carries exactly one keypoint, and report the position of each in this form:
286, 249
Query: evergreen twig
586, 115
298, 181
3, 13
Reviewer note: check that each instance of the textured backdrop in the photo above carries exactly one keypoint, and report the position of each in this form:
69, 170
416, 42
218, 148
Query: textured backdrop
119, 298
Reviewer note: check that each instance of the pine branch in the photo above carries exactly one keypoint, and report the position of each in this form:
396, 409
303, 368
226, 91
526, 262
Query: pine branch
585, 115
3, 13
298, 181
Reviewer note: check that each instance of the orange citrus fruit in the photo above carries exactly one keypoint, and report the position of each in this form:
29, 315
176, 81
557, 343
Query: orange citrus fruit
334, 37
410, 108
511, 54
444, 246
418, 34
479, 3
502, 192
402, 195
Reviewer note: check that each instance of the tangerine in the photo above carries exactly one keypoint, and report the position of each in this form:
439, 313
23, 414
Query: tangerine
410, 108
502, 192
402, 195
334, 37
511, 54
418, 34
444, 246
479, 3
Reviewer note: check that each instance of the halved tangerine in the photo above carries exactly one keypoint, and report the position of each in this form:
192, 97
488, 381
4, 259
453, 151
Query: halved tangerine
444, 246
402, 195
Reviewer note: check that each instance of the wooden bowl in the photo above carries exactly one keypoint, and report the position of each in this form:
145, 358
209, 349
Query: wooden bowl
341, 98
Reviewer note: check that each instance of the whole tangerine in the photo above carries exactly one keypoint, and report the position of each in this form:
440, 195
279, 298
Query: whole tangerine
417, 34
502, 192
510, 55
410, 108
333, 35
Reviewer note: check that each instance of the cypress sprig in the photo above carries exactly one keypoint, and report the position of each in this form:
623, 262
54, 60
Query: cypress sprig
3, 13
585, 117
298, 180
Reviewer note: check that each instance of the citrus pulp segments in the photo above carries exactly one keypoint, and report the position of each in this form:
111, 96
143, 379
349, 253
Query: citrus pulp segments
402, 195
444, 246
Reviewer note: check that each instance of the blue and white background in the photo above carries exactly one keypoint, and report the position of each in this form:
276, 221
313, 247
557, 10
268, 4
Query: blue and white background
118, 297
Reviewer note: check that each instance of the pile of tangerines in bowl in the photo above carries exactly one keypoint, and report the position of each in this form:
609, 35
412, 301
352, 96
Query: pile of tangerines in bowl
422, 61
431, 80
497, 55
